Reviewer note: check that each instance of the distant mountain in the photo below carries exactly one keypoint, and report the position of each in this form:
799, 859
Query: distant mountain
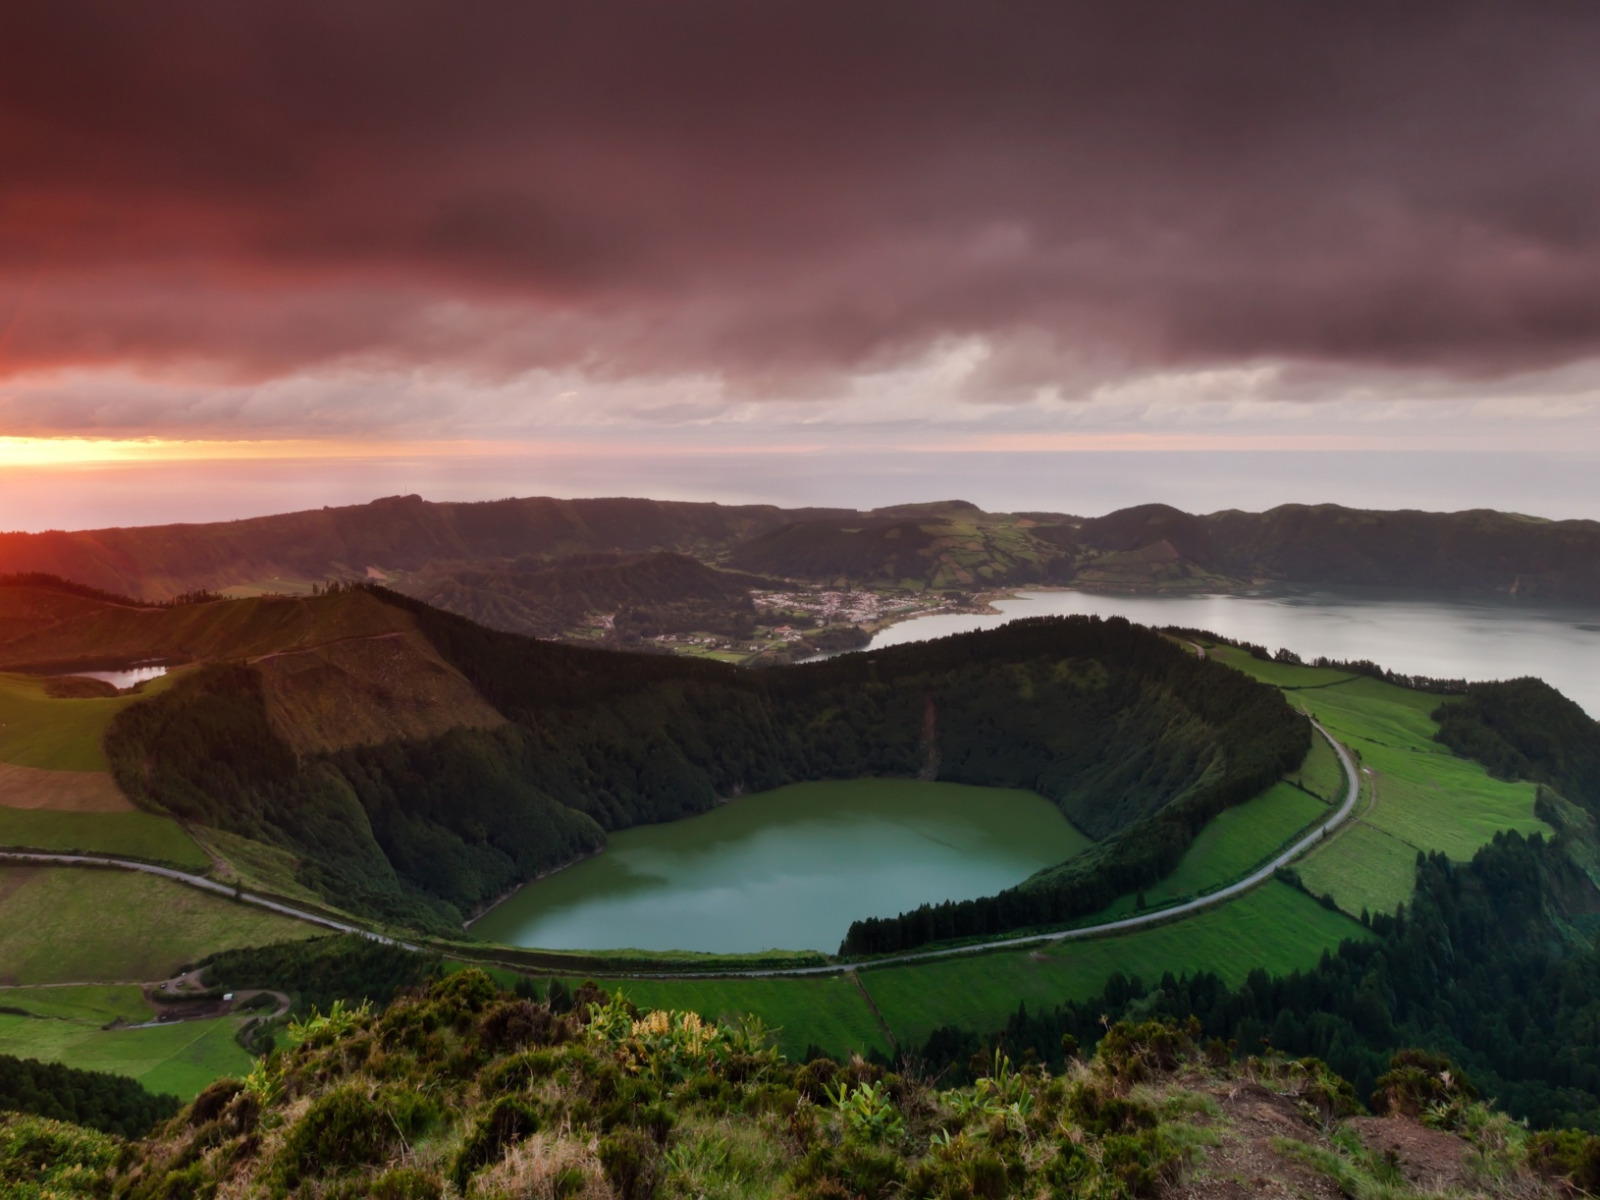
394, 535
493, 561
1478, 551
951, 545
1157, 547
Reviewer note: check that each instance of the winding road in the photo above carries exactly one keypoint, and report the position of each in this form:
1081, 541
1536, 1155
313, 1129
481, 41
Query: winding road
1221, 895
41, 858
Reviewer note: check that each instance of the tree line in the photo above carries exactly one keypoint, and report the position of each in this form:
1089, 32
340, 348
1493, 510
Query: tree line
109, 1103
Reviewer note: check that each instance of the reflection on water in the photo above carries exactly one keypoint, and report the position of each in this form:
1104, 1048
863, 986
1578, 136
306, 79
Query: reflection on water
1415, 635
125, 678
789, 868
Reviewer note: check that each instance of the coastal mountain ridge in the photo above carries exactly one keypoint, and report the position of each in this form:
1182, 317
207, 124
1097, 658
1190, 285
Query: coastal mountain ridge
413, 544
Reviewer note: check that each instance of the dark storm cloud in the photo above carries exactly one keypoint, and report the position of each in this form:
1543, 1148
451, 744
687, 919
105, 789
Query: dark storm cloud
775, 189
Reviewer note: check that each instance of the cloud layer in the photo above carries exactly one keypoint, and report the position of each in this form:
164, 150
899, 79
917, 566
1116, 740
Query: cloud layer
780, 190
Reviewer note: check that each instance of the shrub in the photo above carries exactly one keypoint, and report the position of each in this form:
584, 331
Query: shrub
848, 1171
508, 1121
1135, 1051
351, 1127
1100, 1112
45, 1158
1568, 1154
518, 1024
1416, 1081
1140, 1163
631, 1161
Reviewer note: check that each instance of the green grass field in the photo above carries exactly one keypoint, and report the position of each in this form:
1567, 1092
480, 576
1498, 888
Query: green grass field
1235, 841
134, 834
37, 730
827, 1010
1273, 926
75, 925
1423, 796
65, 1025
1362, 868
100, 1004
1320, 774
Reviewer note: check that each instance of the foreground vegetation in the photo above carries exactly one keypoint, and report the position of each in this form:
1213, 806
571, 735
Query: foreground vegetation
466, 1090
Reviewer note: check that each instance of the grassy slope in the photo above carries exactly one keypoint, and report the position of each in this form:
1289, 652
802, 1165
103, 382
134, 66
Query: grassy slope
65, 1025
1274, 926
71, 925
259, 866
135, 834
1321, 774
1423, 797
37, 730
59, 735
224, 629
1233, 843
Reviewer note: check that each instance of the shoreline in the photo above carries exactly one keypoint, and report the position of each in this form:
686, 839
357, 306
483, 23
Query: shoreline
484, 910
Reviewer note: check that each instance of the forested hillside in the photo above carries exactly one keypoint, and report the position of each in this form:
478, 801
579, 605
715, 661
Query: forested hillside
645, 593
1137, 741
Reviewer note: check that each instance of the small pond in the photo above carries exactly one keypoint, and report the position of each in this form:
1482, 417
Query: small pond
788, 869
121, 679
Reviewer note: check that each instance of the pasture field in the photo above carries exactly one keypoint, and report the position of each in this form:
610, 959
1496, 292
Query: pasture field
1283, 675
77, 925
65, 1025
98, 1004
825, 1010
1361, 868
1423, 796
37, 730
1320, 774
134, 834
1274, 927
1233, 842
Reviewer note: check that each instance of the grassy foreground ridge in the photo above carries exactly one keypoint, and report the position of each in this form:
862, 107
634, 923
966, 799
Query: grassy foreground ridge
465, 1090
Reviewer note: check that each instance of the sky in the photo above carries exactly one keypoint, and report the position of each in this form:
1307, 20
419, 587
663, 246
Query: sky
1066, 256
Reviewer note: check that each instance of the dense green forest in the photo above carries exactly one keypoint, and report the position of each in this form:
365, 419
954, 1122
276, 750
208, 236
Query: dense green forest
109, 1103
319, 972
1137, 741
